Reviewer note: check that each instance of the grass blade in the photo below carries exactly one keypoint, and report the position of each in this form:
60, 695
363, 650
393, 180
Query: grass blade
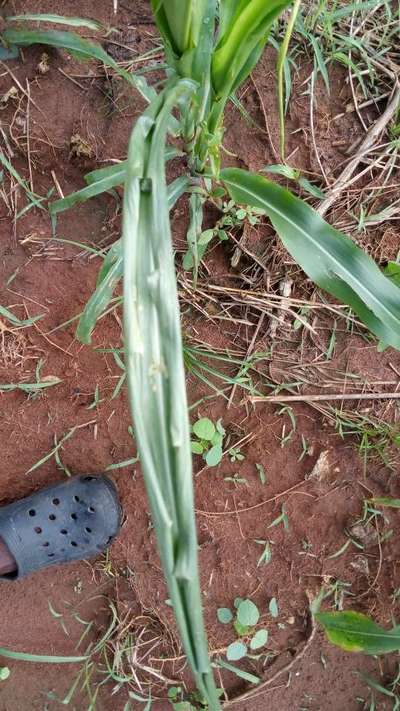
241, 673
391, 503
32, 197
280, 68
330, 258
39, 658
30, 388
6, 313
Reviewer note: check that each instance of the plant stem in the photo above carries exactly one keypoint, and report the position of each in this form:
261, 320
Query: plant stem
280, 72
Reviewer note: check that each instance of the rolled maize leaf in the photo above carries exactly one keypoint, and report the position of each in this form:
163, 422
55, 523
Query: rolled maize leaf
327, 256
242, 39
356, 632
112, 269
198, 62
174, 19
156, 378
227, 10
76, 44
57, 19
187, 28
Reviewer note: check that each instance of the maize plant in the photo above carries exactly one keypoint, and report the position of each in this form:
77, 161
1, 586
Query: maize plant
211, 47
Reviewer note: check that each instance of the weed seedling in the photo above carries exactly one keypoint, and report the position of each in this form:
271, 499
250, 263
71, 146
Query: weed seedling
306, 449
180, 701
266, 555
281, 519
235, 455
244, 622
236, 479
208, 440
287, 436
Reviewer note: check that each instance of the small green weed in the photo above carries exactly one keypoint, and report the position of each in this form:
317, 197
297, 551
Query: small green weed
233, 217
281, 519
244, 620
235, 455
236, 479
208, 440
180, 701
266, 555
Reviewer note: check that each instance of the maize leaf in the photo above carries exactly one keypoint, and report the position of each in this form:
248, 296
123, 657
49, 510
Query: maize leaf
327, 256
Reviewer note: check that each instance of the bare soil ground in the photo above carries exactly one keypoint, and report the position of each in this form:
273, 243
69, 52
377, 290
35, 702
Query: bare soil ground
322, 489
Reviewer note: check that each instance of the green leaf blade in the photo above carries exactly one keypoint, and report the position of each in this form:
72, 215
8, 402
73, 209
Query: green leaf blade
214, 455
236, 651
330, 258
39, 658
224, 615
74, 43
204, 429
259, 640
57, 19
248, 614
356, 632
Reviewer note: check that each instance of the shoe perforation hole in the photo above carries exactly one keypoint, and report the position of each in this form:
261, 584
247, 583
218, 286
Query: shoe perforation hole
50, 555
32, 512
76, 498
91, 509
46, 544
88, 530
56, 502
37, 529
89, 478
52, 517
74, 544
64, 531
74, 516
